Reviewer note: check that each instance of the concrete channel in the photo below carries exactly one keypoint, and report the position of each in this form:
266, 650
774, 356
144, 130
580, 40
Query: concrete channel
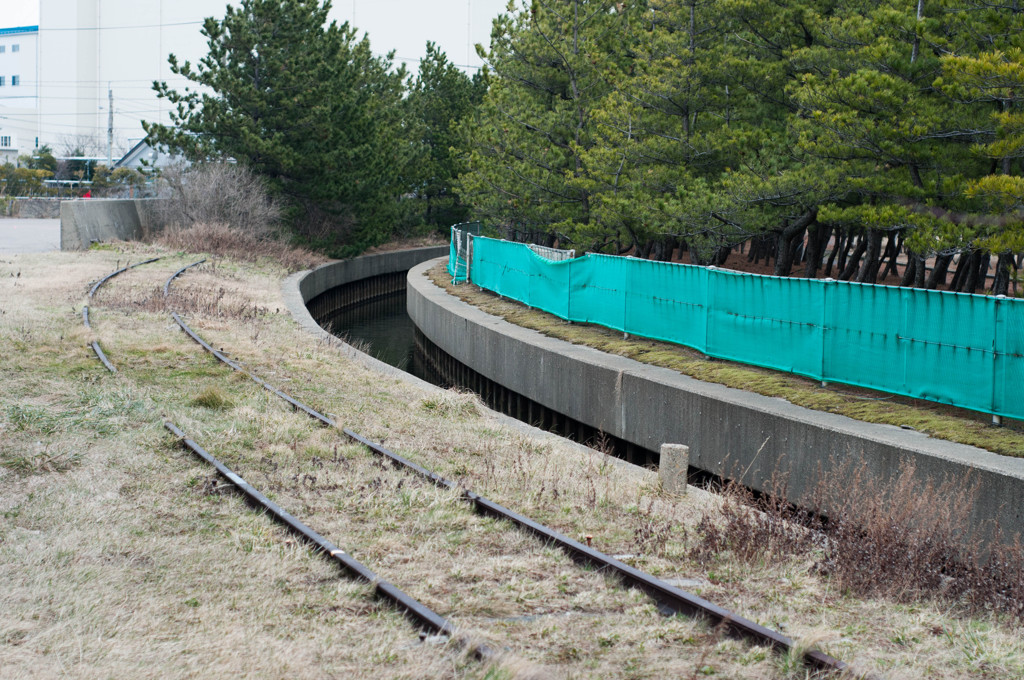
730, 433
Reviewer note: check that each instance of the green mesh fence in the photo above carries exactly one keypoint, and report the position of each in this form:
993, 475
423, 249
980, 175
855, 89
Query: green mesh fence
964, 350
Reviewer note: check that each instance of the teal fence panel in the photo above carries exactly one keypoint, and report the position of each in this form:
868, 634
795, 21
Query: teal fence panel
947, 339
862, 344
766, 320
965, 350
598, 292
667, 301
502, 267
1008, 367
549, 284
461, 235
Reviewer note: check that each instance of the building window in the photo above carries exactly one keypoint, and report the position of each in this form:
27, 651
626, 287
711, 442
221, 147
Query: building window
2, 83
14, 48
3, 48
15, 81
5, 141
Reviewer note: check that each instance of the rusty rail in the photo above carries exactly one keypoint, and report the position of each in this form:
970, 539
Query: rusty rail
671, 600
85, 309
416, 611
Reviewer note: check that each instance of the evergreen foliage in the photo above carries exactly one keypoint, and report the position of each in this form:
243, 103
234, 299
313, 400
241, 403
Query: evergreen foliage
306, 105
883, 127
439, 98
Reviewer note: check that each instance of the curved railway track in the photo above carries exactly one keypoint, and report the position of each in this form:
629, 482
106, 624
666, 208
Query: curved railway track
85, 309
669, 599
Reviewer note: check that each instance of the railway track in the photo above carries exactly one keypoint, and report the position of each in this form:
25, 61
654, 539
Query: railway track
421, 615
669, 599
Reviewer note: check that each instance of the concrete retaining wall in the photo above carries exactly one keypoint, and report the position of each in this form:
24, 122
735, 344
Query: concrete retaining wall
730, 432
301, 287
34, 208
334, 274
84, 221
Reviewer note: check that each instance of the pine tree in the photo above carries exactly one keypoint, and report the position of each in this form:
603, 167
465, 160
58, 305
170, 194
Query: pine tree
440, 98
536, 121
306, 105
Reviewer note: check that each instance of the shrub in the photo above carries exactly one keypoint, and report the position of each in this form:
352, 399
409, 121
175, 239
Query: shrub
220, 239
217, 193
902, 539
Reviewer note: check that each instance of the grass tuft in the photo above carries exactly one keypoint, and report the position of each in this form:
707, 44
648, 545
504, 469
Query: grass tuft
212, 398
453, 404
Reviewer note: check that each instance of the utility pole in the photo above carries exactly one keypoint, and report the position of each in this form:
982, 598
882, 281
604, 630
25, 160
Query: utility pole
110, 126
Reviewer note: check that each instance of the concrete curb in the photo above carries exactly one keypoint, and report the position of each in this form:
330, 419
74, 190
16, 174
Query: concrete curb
730, 432
301, 287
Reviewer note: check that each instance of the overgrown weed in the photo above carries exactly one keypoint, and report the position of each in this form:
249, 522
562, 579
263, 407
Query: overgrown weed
212, 398
902, 539
225, 241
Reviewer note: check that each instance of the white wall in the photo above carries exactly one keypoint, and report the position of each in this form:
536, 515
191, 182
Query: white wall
17, 102
88, 46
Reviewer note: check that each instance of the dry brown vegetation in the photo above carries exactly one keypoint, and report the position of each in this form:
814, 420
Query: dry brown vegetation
123, 556
246, 246
891, 540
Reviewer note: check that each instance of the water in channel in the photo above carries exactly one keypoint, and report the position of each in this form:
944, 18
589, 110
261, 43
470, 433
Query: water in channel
382, 328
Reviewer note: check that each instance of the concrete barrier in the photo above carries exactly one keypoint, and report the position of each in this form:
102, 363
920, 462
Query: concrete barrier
302, 287
732, 433
33, 208
85, 221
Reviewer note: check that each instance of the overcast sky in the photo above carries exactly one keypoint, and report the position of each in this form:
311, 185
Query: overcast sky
400, 25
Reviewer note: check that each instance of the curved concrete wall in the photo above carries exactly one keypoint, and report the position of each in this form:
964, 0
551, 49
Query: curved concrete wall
334, 274
84, 221
301, 287
730, 432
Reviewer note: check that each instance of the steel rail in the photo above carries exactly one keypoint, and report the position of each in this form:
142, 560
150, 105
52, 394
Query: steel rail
85, 310
670, 599
412, 608
96, 286
296, 404
167, 284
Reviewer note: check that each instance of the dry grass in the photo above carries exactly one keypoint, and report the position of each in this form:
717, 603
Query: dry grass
132, 560
936, 420
222, 240
876, 540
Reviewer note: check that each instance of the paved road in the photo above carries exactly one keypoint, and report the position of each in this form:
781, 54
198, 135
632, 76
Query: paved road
29, 236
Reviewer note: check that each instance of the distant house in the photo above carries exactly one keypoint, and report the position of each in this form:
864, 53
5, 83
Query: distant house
143, 156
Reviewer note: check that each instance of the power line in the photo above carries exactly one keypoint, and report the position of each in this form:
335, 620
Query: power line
120, 28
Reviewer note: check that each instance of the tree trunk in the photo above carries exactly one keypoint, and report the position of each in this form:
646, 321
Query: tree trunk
961, 272
892, 249
840, 244
938, 275
844, 254
910, 271
1001, 285
721, 255
815, 245
976, 275
643, 250
869, 270
785, 249
851, 265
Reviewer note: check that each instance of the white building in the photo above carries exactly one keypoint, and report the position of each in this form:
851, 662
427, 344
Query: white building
85, 54
18, 95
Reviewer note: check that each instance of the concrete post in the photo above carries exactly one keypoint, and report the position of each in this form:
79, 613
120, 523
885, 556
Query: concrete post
675, 459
